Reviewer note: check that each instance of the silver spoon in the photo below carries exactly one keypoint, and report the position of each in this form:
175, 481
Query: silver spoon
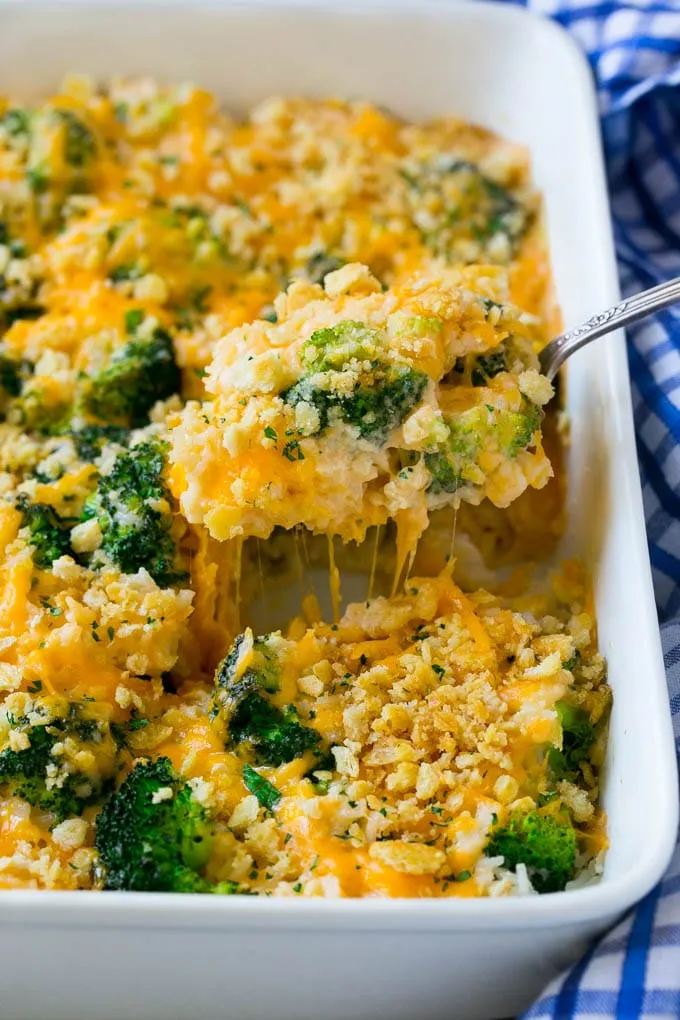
554, 354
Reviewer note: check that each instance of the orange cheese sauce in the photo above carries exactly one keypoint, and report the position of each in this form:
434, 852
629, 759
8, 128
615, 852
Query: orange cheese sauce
418, 724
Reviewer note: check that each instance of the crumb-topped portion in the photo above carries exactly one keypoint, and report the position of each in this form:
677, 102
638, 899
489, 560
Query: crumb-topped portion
361, 405
315, 317
433, 744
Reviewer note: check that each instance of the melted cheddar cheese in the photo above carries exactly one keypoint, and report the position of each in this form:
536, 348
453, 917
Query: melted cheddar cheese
313, 321
360, 406
437, 707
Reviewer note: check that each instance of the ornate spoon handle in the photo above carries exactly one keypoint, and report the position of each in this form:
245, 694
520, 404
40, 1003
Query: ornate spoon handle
554, 354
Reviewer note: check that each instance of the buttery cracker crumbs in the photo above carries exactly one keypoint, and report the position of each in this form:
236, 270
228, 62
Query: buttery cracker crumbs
439, 710
211, 329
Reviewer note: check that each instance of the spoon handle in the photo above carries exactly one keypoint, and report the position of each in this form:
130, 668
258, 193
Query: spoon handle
554, 354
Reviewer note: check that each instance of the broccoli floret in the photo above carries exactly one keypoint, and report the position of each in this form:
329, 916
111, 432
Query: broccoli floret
444, 477
37, 415
152, 841
90, 440
133, 318
79, 142
16, 122
263, 670
516, 428
272, 734
126, 271
135, 533
541, 841
121, 731
22, 313
578, 736
469, 432
446, 466
275, 735
332, 348
139, 373
49, 533
38, 179
375, 412
17, 295
25, 773
38, 134
305, 392
320, 265
379, 402
471, 208
10, 375
504, 215
486, 366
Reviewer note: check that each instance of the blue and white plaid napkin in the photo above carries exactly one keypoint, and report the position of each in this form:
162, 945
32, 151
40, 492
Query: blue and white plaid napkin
634, 50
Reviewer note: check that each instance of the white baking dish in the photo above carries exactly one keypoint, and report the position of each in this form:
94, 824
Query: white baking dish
78, 956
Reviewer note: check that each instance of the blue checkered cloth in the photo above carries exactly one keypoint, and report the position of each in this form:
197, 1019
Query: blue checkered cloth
634, 50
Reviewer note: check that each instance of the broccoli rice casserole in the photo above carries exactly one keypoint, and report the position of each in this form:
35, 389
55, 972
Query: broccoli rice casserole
254, 362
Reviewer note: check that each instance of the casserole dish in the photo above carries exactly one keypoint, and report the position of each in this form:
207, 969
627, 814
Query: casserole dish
128, 955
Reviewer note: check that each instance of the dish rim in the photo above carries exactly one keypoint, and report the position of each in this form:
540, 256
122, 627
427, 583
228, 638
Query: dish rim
604, 899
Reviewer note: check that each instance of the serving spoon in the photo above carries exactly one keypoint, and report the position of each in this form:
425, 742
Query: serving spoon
554, 354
